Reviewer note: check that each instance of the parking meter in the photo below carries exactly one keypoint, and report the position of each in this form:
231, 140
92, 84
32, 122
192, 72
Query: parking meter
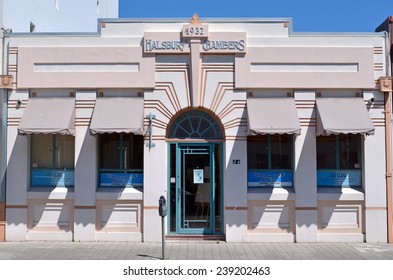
162, 208
162, 211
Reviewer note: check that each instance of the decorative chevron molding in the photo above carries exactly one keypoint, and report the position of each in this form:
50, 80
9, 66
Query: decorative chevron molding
159, 124
305, 104
169, 99
13, 121
308, 122
82, 121
231, 106
235, 123
159, 106
171, 93
14, 104
181, 68
221, 89
215, 68
378, 50
85, 104
13, 64
175, 67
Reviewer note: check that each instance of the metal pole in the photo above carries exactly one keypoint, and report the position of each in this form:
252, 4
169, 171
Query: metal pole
388, 104
388, 146
162, 211
163, 237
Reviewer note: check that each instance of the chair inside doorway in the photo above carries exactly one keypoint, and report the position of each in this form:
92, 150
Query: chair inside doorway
202, 200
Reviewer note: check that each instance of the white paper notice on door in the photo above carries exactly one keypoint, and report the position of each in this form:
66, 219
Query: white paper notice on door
198, 176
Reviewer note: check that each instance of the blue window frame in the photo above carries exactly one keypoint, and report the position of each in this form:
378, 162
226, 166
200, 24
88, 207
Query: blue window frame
120, 160
339, 160
270, 160
52, 160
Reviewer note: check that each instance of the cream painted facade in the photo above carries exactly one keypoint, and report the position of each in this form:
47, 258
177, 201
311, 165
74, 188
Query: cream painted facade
214, 67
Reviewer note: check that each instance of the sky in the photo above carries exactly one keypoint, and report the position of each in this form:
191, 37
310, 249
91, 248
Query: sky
306, 15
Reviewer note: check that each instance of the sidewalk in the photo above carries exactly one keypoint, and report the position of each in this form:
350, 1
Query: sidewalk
194, 251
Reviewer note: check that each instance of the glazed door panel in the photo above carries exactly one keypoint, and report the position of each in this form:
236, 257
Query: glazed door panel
194, 188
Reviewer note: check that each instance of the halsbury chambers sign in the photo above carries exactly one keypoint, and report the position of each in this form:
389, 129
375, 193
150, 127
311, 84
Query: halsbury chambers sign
155, 45
207, 45
239, 45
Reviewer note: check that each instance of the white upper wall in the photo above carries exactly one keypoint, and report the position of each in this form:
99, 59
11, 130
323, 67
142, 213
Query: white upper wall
1, 13
56, 15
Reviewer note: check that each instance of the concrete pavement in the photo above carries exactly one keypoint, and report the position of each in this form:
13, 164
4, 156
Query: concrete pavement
195, 250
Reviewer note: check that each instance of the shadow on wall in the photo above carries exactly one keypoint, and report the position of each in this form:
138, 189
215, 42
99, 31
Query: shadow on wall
276, 215
264, 214
235, 182
17, 181
305, 177
341, 215
52, 213
41, 210
85, 177
111, 211
306, 189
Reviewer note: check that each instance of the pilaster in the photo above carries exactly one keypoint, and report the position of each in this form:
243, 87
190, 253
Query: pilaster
305, 181
85, 169
235, 191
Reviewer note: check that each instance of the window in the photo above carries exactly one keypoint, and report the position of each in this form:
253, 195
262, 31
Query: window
339, 160
195, 124
270, 160
52, 160
120, 160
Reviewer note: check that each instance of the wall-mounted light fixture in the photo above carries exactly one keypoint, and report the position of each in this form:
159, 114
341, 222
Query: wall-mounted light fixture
371, 101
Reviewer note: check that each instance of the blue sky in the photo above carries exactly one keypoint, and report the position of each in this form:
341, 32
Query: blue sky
307, 15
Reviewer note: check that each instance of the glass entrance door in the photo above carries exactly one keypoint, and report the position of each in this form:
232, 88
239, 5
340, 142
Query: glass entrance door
194, 188
195, 185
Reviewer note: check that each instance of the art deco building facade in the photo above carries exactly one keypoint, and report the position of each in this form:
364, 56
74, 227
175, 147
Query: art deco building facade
250, 131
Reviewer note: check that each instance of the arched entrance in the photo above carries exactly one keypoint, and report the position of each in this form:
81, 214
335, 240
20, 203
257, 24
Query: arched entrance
195, 175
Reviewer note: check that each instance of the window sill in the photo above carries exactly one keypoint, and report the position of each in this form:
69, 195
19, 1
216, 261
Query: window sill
340, 194
271, 194
119, 193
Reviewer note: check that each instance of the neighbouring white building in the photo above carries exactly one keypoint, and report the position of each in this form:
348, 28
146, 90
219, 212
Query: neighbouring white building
55, 15
250, 131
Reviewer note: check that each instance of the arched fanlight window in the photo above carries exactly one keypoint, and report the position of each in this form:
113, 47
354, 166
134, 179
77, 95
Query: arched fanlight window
195, 124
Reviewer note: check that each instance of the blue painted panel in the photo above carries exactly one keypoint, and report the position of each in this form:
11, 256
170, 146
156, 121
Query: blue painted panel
270, 178
339, 178
121, 179
58, 178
